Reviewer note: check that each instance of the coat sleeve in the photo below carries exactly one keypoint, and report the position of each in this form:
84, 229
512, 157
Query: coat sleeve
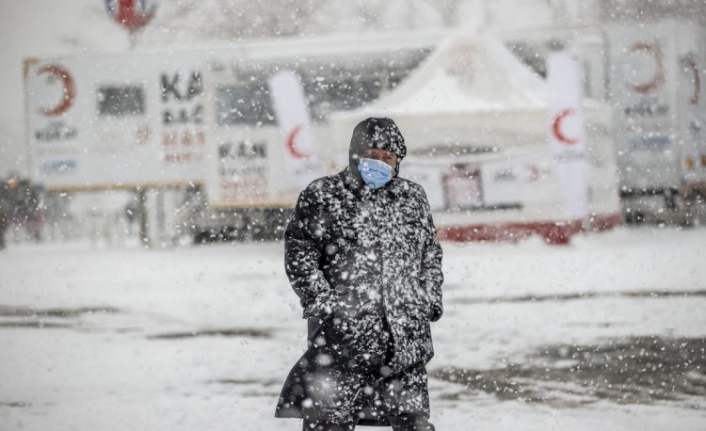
431, 276
302, 243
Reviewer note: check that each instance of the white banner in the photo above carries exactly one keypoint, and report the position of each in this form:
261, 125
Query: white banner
116, 120
243, 174
294, 124
519, 180
567, 133
642, 89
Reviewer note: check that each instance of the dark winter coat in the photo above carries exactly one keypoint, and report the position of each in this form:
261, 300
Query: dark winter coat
367, 268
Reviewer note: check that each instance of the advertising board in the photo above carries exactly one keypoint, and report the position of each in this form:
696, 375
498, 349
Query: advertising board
643, 84
116, 121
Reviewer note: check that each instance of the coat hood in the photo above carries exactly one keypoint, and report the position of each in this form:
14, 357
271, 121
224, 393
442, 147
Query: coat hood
380, 133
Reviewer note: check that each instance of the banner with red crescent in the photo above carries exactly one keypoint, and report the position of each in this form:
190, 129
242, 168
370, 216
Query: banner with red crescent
294, 123
567, 139
87, 114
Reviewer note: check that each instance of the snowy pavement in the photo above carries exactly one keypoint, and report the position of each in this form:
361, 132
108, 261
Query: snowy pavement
608, 333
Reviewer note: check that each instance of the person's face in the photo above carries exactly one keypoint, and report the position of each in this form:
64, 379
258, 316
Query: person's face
383, 155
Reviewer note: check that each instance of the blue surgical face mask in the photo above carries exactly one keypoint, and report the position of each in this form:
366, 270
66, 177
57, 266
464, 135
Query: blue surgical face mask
375, 173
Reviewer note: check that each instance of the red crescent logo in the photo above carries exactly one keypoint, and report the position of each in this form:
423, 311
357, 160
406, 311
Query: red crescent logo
697, 82
292, 147
556, 127
69, 90
658, 78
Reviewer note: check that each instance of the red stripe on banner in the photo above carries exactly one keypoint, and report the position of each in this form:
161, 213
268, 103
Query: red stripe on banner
553, 232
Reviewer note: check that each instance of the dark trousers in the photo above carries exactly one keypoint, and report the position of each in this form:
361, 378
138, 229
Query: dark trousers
399, 423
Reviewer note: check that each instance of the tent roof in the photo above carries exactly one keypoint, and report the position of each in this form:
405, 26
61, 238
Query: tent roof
468, 73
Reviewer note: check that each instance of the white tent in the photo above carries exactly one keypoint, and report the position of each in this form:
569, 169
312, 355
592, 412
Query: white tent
472, 101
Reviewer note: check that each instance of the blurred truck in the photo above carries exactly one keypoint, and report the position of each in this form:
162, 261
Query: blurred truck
193, 131
656, 76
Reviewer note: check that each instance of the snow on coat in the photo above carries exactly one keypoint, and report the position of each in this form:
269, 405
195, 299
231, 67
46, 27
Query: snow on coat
367, 268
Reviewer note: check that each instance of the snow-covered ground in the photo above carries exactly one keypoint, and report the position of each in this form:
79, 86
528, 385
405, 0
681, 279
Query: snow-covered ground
608, 333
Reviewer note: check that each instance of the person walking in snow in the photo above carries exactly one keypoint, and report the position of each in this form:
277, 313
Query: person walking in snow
361, 253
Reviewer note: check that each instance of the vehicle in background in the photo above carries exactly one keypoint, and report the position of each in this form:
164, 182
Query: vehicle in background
160, 123
659, 117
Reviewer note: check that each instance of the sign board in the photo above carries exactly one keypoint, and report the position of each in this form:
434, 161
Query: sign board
116, 121
243, 172
642, 85
263, 166
509, 181
518, 180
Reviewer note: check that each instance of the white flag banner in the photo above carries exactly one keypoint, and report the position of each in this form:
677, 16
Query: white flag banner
294, 124
567, 132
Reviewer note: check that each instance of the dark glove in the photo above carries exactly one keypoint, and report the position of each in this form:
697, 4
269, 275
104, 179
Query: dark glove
436, 312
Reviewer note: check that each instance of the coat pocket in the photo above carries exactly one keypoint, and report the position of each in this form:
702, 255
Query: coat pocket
413, 343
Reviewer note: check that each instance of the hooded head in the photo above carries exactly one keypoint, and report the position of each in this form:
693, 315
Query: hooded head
379, 133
